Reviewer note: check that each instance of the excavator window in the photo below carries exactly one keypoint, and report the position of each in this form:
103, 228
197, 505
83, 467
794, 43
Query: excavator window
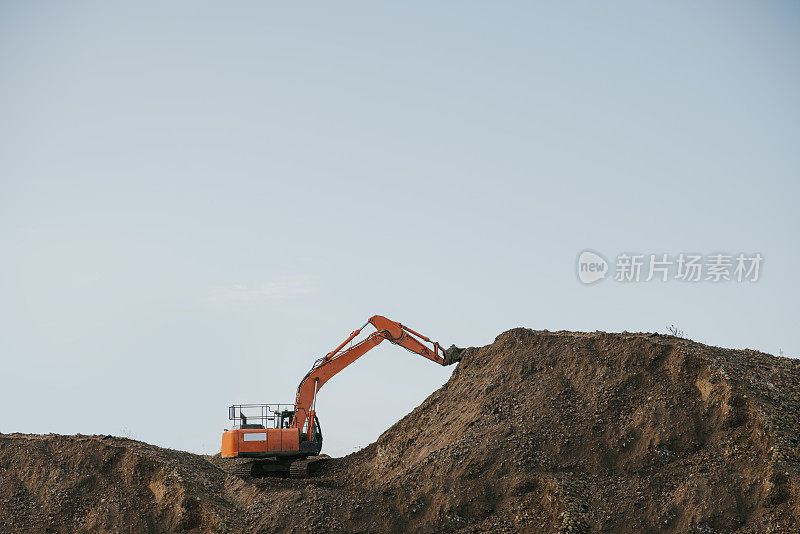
286, 418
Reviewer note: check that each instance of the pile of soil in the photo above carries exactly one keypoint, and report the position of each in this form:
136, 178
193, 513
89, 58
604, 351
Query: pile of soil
537, 432
56, 483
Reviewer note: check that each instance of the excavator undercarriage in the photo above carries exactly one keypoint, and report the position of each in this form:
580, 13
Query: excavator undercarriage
255, 468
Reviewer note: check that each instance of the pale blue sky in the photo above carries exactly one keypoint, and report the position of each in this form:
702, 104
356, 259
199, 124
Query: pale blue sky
198, 199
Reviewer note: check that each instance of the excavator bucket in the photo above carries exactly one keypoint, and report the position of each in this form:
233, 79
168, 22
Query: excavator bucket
452, 355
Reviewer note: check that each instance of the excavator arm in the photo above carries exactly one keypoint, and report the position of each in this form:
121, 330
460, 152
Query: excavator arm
336, 360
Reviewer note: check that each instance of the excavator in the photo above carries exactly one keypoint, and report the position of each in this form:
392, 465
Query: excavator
279, 439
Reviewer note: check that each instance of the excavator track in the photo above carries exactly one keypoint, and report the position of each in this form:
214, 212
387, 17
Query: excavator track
254, 470
299, 469
240, 467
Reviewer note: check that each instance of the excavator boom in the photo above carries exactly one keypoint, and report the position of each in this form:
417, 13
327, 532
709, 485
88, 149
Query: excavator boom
336, 360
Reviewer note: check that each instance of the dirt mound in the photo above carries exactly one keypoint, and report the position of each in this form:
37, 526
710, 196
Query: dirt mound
100, 483
599, 432
537, 432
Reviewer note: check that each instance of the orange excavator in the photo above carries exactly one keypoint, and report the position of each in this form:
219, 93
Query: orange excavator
278, 439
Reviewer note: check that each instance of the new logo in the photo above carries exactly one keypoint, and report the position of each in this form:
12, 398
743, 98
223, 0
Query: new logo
592, 267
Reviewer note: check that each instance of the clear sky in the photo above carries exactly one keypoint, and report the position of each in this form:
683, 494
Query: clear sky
198, 199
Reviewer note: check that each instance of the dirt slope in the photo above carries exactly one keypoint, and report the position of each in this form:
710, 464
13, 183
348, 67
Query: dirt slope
537, 432
599, 432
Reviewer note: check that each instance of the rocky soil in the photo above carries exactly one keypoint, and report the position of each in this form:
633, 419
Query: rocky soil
537, 432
